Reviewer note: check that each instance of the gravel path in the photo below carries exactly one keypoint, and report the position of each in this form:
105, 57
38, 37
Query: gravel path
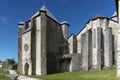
12, 72
27, 78
14, 76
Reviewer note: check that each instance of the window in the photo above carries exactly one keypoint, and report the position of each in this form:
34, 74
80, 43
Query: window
26, 47
94, 38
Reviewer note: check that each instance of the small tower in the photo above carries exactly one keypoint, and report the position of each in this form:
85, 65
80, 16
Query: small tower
65, 26
21, 27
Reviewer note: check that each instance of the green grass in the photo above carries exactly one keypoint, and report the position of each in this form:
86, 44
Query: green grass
83, 75
3, 71
4, 78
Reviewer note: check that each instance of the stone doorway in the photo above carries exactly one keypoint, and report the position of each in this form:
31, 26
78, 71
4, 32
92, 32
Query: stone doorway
64, 65
26, 68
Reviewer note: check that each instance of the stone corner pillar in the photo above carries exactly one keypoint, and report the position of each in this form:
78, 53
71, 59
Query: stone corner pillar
118, 52
43, 42
85, 50
118, 39
72, 44
33, 46
108, 60
21, 27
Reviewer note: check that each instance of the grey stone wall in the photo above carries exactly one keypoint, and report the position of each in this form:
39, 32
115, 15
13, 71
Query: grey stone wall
55, 45
76, 63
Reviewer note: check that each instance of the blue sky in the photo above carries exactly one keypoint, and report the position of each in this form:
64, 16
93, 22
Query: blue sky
76, 12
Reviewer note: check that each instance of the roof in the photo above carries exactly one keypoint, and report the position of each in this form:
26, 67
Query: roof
11, 61
36, 14
97, 16
94, 18
47, 11
64, 22
21, 23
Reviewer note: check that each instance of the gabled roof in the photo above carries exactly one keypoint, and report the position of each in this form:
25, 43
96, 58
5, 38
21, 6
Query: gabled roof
96, 17
47, 11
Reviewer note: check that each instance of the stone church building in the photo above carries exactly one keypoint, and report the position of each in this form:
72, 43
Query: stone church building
44, 45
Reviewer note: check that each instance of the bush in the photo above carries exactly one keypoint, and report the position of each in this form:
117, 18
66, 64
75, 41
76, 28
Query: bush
15, 66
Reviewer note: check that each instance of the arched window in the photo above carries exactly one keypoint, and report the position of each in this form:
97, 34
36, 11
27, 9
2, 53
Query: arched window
26, 68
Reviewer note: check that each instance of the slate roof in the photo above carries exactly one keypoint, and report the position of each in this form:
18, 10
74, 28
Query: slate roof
64, 22
47, 11
36, 14
97, 16
94, 18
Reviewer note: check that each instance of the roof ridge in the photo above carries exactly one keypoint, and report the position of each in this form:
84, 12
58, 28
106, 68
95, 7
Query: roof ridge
97, 15
48, 13
43, 8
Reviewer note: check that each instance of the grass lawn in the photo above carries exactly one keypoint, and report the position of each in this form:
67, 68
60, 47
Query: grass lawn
83, 75
4, 78
3, 71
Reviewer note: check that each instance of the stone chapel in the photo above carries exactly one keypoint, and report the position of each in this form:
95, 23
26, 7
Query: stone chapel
45, 47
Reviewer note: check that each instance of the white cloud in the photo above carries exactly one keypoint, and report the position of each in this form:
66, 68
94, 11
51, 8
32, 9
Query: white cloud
3, 19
